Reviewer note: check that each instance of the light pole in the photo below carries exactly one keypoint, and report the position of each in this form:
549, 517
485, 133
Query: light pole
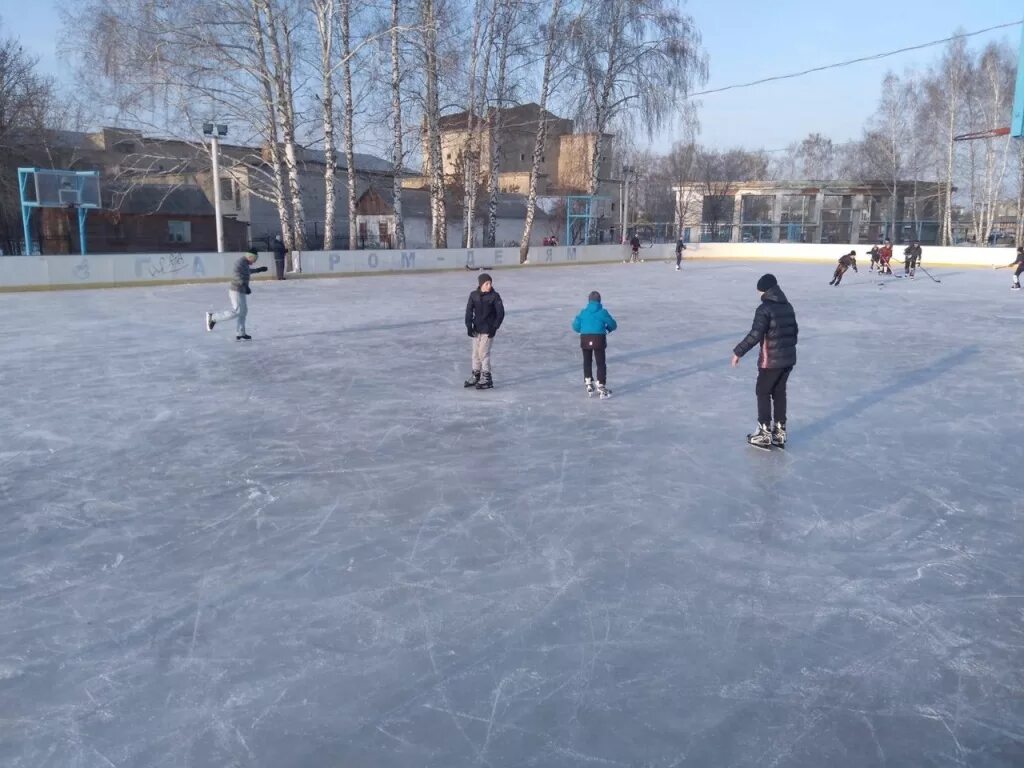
215, 132
626, 171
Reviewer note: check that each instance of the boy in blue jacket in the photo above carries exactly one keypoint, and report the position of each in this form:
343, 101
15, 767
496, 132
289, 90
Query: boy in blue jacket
594, 323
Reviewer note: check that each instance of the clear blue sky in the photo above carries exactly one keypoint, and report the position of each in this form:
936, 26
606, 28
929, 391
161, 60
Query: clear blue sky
745, 40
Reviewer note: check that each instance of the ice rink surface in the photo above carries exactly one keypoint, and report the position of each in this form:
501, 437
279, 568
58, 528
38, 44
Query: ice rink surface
317, 550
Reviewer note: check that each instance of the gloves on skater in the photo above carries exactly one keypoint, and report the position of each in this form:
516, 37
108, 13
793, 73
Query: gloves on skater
248, 290
470, 332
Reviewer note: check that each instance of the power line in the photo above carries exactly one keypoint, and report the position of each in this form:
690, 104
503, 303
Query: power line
848, 62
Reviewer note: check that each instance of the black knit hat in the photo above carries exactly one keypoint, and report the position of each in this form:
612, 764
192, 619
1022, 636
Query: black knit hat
766, 282
594, 296
484, 278
253, 252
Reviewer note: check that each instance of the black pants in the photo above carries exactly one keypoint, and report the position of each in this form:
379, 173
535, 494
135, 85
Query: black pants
837, 276
679, 257
1017, 272
910, 265
594, 345
279, 265
771, 388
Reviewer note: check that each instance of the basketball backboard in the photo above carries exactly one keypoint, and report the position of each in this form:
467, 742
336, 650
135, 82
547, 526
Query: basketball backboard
49, 188
45, 188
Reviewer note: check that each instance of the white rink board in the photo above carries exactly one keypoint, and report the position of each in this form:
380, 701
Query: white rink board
135, 269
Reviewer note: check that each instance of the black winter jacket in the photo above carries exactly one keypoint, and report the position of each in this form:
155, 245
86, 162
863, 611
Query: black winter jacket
484, 312
775, 329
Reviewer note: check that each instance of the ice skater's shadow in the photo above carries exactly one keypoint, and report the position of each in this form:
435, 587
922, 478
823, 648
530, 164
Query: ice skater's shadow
398, 326
614, 358
629, 387
900, 386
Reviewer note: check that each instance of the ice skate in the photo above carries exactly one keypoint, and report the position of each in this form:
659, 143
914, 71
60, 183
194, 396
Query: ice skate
210, 322
603, 391
1015, 287
485, 381
761, 438
779, 435
677, 267
473, 380
243, 337
590, 387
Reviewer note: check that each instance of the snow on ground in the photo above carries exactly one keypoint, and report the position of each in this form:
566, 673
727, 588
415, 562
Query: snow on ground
317, 549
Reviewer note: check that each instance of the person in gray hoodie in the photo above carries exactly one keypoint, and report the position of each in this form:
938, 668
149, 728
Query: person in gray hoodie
237, 293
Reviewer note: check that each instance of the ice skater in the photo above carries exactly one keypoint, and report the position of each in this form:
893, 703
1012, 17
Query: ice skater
593, 324
911, 259
845, 262
776, 330
484, 315
236, 294
884, 255
875, 259
634, 250
279, 255
680, 247
1019, 264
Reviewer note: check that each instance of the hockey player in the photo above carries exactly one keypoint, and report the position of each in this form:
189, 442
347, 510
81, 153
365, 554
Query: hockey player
484, 315
875, 258
594, 323
911, 258
634, 249
680, 247
775, 329
237, 292
884, 255
845, 262
1019, 264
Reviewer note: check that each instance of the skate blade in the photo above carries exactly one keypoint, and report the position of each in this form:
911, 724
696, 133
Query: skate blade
760, 447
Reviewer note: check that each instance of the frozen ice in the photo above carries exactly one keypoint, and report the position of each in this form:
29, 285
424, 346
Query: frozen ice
316, 549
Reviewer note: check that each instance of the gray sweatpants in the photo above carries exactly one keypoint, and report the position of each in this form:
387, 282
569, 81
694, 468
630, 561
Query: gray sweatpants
239, 309
482, 352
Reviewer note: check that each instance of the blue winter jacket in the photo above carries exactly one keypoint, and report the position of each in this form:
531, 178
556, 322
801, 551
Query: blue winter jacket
594, 319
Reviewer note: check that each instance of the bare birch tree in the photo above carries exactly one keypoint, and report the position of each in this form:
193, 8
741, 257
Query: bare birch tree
551, 39
397, 126
432, 126
279, 34
324, 12
637, 59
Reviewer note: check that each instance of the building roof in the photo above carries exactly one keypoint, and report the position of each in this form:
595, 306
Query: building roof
145, 199
851, 185
511, 117
416, 204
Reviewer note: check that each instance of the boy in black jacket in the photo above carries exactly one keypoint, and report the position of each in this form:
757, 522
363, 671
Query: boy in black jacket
484, 315
776, 330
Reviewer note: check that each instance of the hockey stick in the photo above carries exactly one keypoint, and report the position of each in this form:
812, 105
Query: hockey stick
928, 273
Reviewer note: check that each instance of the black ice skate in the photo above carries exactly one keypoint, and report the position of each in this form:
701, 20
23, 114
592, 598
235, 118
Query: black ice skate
779, 435
603, 392
485, 381
210, 322
590, 387
1015, 287
243, 337
762, 438
473, 380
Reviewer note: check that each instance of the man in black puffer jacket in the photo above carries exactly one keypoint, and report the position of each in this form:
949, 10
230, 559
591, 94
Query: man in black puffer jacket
775, 329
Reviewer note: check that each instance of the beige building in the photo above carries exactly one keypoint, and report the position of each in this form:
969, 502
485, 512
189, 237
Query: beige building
565, 161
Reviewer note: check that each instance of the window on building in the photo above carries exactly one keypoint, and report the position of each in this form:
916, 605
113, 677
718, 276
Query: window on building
179, 231
227, 190
522, 156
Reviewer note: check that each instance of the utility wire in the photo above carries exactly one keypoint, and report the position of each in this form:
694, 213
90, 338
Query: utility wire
860, 60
